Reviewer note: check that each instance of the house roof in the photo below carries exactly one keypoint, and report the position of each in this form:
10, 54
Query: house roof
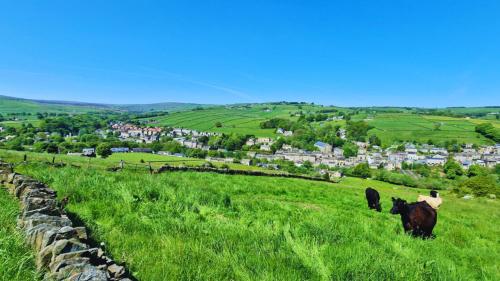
320, 144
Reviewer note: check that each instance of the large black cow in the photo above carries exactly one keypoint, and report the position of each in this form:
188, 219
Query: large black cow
419, 218
373, 199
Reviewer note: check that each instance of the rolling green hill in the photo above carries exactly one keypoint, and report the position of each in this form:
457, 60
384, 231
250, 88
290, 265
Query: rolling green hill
389, 127
19, 105
242, 119
408, 127
194, 226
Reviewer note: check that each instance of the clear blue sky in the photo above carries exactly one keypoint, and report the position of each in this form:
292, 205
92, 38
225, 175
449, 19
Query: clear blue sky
348, 53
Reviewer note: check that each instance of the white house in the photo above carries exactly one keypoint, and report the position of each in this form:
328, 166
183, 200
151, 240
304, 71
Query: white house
435, 160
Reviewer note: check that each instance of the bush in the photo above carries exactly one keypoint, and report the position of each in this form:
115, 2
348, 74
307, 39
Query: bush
395, 178
104, 150
361, 170
476, 170
480, 186
452, 169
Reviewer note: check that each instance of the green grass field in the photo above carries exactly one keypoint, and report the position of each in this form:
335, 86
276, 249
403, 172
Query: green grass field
235, 119
14, 105
392, 127
16, 259
389, 127
18, 124
132, 160
203, 226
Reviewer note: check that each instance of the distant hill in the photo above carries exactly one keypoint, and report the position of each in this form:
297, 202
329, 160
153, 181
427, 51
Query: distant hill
164, 106
20, 105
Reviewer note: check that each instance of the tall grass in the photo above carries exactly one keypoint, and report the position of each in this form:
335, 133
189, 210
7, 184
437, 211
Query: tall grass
16, 259
202, 226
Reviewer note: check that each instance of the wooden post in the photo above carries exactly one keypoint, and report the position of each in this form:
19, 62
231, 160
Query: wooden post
122, 164
150, 168
25, 157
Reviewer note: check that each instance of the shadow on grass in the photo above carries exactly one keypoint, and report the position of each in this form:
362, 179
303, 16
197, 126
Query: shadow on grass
78, 222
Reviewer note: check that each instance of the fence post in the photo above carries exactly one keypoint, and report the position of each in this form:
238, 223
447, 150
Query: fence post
122, 164
53, 159
150, 168
25, 157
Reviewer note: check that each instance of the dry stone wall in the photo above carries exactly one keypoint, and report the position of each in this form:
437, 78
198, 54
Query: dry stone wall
62, 250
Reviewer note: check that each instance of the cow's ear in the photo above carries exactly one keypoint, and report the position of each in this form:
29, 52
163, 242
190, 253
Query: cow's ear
393, 199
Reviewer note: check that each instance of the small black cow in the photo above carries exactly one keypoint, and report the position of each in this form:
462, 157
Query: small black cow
373, 199
419, 218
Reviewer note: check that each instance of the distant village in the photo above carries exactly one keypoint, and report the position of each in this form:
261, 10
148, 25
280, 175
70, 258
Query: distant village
390, 158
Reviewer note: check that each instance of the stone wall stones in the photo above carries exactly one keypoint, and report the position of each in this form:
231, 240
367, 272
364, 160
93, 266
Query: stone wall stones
62, 250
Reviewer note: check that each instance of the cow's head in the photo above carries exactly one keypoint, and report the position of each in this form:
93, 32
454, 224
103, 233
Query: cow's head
398, 205
434, 194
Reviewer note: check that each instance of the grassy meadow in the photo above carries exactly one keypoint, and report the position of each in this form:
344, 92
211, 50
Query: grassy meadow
235, 119
391, 127
203, 226
133, 161
15, 105
16, 259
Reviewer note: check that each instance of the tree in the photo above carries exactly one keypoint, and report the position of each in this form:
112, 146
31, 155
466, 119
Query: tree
476, 170
452, 169
357, 130
350, 150
104, 150
437, 126
374, 140
489, 131
52, 148
480, 186
307, 165
362, 170
156, 146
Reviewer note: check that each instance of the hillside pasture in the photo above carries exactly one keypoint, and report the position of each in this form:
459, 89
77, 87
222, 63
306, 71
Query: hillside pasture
132, 160
15, 105
19, 123
407, 127
244, 120
203, 226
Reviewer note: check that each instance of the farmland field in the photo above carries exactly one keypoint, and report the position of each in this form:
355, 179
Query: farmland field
235, 119
389, 127
132, 160
18, 124
16, 259
407, 127
203, 226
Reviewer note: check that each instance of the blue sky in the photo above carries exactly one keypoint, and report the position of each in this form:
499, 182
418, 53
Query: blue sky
347, 53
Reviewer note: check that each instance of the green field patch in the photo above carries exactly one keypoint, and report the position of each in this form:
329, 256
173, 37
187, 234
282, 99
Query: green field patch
393, 127
203, 226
